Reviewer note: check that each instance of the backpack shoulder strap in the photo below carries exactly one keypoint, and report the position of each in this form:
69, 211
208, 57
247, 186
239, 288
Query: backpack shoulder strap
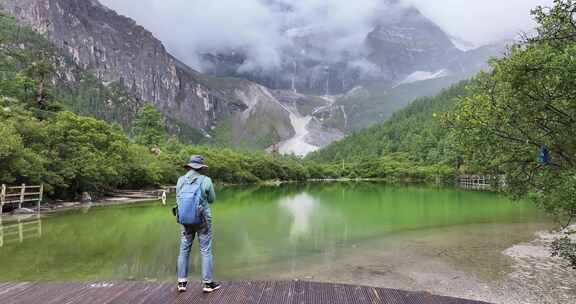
201, 180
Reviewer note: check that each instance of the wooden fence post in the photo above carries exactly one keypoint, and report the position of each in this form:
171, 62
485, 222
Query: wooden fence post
40, 197
2, 198
22, 193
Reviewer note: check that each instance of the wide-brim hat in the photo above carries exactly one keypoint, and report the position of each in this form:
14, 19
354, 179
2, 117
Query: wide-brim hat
196, 162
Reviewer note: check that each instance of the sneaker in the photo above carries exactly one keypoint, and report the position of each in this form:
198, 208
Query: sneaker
182, 286
210, 287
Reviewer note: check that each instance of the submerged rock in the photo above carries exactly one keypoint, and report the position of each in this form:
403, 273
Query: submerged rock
23, 211
536, 276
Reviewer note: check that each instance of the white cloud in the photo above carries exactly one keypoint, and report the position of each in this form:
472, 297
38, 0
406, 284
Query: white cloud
188, 27
481, 21
191, 26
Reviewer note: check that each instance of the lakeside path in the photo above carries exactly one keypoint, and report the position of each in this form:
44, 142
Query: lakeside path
282, 292
126, 197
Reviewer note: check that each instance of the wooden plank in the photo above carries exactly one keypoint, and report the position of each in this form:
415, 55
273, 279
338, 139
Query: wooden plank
10, 289
293, 292
362, 294
245, 292
22, 196
269, 293
30, 291
390, 296
143, 292
12, 194
342, 293
110, 292
156, 293
90, 293
20, 193
280, 292
307, 292
23, 201
38, 293
20, 187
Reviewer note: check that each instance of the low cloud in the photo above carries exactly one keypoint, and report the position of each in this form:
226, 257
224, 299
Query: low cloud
262, 29
481, 22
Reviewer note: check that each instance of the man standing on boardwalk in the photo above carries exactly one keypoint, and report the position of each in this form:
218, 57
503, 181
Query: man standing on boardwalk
195, 189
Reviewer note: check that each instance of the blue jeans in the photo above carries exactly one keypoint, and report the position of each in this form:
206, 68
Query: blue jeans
205, 240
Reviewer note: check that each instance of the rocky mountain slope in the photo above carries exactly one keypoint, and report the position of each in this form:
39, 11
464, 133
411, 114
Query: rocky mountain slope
21, 49
120, 53
404, 55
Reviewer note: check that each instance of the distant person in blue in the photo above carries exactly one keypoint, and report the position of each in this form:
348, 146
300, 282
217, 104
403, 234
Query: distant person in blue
194, 194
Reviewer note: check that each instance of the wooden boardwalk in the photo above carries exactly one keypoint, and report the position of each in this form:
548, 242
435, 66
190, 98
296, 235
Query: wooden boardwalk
293, 292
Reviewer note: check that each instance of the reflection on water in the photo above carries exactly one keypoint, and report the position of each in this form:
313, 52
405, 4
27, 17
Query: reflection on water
302, 208
24, 227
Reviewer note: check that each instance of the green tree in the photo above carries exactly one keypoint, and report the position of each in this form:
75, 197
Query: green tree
10, 153
528, 102
149, 127
86, 154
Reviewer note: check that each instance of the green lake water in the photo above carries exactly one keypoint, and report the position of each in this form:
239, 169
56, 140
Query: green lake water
275, 233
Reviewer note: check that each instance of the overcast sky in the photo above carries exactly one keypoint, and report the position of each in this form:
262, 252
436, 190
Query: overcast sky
481, 21
191, 26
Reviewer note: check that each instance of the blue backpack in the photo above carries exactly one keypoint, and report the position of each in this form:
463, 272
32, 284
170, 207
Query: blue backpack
544, 156
189, 205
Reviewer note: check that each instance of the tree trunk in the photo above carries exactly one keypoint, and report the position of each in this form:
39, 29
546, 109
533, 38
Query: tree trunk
40, 98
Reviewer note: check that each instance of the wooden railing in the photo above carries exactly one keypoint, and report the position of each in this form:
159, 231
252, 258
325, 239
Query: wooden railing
20, 230
482, 182
20, 195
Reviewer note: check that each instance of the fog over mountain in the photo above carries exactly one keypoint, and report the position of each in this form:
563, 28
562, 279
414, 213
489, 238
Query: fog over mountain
255, 26
262, 27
